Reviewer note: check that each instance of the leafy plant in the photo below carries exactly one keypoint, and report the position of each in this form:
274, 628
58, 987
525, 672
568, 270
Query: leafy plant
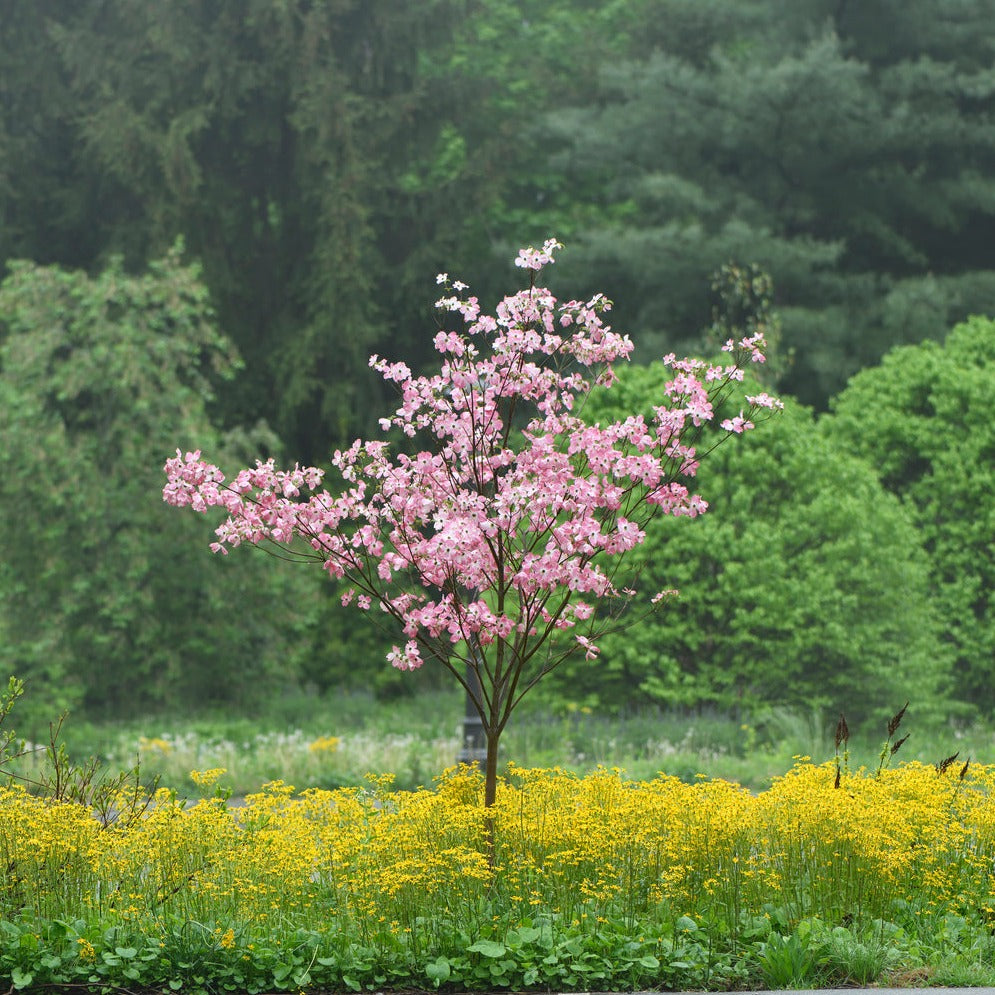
103, 605
787, 594
119, 798
10, 748
923, 397
861, 957
791, 961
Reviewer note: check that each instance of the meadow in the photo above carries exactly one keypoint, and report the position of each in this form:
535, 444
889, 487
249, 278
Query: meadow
845, 869
335, 741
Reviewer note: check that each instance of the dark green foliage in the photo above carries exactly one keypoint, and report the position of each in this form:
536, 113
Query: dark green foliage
107, 599
349, 650
303, 151
923, 419
850, 160
804, 584
324, 160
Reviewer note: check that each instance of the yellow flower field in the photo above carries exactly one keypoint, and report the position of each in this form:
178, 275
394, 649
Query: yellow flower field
411, 875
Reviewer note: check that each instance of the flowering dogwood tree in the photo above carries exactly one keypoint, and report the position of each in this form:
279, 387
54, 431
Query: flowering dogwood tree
498, 547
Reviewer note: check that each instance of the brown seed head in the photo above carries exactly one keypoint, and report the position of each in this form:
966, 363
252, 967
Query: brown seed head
943, 765
842, 731
896, 720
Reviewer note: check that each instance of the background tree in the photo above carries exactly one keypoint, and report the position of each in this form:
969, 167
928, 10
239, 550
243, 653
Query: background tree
103, 603
804, 584
933, 444
283, 141
852, 164
320, 159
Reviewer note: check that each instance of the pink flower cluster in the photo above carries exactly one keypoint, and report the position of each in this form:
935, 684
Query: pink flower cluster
504, 531
535, 259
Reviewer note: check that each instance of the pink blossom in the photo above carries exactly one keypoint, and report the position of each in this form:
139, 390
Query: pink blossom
664, 595
505, 530
535, 260
407, 659
737, 424
764, 400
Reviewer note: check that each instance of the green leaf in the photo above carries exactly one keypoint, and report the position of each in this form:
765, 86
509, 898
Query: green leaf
438, 971
489, 948
21, 979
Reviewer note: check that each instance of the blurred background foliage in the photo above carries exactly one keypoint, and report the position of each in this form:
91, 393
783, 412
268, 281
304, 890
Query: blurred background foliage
212, 212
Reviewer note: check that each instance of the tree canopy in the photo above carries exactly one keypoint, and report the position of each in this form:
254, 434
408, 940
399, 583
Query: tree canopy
804, 583
105, 601
923, 418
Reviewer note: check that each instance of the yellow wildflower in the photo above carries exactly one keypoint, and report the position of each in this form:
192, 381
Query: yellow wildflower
324, 744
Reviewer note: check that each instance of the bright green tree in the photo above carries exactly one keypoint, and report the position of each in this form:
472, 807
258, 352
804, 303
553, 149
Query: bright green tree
104, 602
923, 420
803, 585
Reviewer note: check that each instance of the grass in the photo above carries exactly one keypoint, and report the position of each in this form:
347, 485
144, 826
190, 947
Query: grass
333, 742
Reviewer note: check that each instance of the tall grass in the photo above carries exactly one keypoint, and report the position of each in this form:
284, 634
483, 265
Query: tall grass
336, 741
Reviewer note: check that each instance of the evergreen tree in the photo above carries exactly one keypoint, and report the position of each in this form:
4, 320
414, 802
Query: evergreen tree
851, 161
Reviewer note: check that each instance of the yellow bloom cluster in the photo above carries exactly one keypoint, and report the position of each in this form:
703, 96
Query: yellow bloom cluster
207, 778
324, 744
154, 744
582, 848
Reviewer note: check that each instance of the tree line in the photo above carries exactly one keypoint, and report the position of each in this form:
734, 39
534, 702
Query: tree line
322, 161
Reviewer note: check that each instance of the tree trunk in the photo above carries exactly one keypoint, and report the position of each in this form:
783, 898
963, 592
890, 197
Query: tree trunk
490, 791
490, 769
